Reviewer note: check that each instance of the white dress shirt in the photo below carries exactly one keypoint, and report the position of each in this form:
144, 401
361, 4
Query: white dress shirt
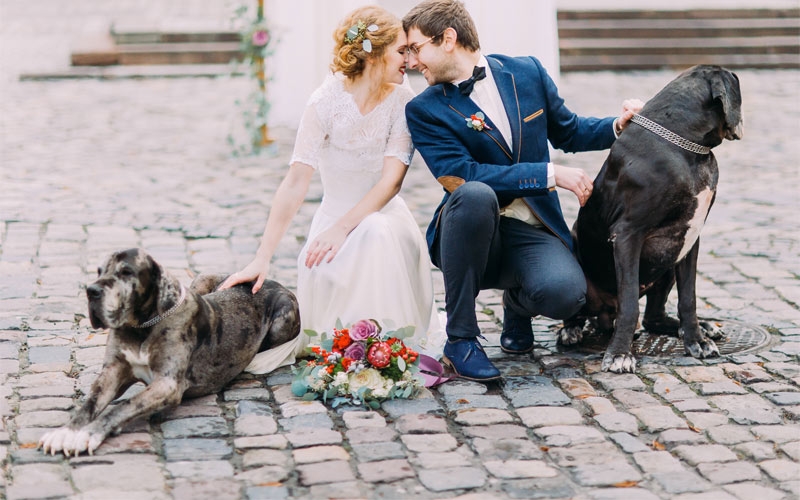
486, 95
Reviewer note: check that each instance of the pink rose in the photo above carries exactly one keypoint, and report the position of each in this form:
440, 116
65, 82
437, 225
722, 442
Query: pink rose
260, 38
356, 351
363, 329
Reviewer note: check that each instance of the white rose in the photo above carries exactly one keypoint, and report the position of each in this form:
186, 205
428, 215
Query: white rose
369, 378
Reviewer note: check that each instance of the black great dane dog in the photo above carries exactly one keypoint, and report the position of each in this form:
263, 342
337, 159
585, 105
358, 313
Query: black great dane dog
638, 234
179, 342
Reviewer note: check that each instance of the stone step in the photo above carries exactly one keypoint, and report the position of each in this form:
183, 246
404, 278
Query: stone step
678, 28
679, 14
722, 45
145, 37
632, 40
136, 72
677, 61
159, 53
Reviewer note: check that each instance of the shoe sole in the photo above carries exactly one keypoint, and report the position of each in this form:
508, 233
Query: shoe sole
450, 364
509, 351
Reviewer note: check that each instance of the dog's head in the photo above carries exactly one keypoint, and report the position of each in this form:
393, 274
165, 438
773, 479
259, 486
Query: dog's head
126, 290
718, 90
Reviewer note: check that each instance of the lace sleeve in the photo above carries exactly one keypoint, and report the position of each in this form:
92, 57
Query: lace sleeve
399, 144
310, 138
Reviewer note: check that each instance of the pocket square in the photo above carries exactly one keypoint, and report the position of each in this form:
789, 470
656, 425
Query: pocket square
532, 116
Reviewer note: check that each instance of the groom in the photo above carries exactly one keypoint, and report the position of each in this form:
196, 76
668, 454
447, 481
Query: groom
482, 128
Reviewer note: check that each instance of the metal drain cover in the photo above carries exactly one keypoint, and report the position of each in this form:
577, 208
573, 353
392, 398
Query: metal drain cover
739, 338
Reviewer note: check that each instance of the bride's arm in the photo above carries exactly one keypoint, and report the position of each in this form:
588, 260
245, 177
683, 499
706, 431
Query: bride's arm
327, 244
285, 204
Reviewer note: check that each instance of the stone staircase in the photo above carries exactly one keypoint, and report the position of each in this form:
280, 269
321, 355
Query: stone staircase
136, 53
595, 40
147, 48
646, 40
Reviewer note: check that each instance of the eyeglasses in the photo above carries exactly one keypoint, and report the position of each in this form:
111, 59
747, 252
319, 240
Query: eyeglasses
413, 49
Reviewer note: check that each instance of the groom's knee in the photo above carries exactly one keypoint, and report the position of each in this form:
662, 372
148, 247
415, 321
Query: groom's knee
556, 298
473, 203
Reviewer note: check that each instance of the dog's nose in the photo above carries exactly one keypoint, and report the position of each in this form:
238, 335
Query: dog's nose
94, 291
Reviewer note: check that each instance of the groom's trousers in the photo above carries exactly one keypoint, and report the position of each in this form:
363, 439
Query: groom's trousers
477, 249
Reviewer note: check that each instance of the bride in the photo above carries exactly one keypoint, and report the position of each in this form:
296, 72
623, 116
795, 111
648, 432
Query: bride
365, 256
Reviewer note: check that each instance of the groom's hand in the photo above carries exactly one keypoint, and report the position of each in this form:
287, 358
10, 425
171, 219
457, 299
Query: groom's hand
575, 180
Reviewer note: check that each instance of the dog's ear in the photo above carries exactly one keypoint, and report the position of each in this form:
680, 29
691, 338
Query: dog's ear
154, 270
725, 89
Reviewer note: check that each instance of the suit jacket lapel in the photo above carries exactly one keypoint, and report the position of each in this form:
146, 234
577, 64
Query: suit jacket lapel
508, 93
465, 107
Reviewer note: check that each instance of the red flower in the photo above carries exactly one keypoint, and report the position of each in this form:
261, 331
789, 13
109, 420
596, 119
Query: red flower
341, 341
379, 354
346, 363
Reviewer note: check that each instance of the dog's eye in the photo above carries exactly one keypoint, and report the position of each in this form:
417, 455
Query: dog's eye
126, 272
99, 271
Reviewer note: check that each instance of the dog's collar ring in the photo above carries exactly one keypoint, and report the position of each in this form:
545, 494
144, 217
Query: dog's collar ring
167, 313
670, 135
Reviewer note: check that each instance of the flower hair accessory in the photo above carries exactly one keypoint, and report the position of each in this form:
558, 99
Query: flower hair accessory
360, 365
358, 33
477, 122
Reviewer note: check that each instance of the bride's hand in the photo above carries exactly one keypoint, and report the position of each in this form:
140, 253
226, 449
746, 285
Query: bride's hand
254, 271
326, 244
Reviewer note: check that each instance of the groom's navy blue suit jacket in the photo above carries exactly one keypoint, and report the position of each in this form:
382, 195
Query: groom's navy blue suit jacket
456, 153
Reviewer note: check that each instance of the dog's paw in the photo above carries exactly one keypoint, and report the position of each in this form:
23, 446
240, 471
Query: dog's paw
569, 335
53, 441
711, 330
705, 348
71, 442
618, 363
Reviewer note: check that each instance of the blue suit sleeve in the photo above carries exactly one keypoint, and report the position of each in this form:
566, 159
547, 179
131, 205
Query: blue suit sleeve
566, 130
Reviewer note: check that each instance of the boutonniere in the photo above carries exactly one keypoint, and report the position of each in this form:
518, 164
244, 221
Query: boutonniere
477, 122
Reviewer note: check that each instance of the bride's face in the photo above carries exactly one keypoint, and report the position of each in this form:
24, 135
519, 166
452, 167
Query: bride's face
394, 60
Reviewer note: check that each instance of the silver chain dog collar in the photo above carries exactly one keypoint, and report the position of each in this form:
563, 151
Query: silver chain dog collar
169, 312
670, 135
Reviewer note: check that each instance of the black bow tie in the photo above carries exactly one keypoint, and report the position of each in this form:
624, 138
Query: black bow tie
465, 87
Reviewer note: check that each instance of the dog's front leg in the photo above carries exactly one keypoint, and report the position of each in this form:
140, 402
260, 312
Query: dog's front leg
113, 379
695, 341
162, 393
627, 250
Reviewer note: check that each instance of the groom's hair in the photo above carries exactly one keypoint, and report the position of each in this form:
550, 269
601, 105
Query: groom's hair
433, 17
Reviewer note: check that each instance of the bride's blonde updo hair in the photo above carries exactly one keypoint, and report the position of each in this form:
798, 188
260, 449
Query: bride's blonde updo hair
349, 57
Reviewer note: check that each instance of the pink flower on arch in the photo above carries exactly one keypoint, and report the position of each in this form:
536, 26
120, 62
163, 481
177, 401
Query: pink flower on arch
260, 38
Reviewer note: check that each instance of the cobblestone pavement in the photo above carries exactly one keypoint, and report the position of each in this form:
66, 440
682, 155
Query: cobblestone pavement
89, 167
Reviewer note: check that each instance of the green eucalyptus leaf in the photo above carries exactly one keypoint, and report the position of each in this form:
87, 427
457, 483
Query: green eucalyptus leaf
405, 332
299, 387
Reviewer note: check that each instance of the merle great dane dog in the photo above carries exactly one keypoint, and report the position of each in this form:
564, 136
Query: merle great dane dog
639, 231
179, 342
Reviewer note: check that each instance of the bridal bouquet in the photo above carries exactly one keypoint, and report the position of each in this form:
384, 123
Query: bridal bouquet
359, 365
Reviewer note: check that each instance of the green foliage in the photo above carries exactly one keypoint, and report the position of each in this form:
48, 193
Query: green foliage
256, 48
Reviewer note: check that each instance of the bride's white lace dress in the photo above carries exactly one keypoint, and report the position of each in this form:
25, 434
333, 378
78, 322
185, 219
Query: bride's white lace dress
382, 270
